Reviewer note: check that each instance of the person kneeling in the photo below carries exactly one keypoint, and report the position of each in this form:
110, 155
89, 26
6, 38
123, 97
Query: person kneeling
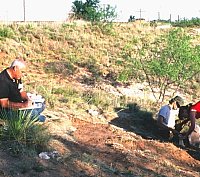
166, 118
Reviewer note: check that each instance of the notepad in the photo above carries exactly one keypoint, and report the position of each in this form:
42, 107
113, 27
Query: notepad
35, 98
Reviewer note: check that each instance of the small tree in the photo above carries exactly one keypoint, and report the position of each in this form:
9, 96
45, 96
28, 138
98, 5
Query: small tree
170, 61
92, 11
131, 18
108, 13
78, 9
166, 63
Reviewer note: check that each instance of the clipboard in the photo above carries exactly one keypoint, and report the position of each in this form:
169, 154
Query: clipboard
37, 100
35, 105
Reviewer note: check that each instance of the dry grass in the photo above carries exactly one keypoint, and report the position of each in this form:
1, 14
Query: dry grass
56, 54
75, 67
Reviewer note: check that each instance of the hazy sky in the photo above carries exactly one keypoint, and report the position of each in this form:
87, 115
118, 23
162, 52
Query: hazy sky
151, 9
58, 9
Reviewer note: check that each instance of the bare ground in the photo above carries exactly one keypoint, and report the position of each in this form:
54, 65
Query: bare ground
116, 148
120, 145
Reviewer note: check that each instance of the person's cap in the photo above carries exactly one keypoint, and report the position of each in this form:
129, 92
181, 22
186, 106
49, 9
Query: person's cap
179, 100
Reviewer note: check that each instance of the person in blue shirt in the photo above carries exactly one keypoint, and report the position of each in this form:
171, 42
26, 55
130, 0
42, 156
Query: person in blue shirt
167, 116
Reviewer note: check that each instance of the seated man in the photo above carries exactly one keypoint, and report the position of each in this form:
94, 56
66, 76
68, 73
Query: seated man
12, 95
166, 118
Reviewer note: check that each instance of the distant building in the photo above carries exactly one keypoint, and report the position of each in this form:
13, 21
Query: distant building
140, 20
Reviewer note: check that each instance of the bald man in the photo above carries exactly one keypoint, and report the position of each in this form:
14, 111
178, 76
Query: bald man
11, 94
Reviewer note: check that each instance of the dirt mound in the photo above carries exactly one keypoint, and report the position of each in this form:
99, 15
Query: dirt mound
94, 149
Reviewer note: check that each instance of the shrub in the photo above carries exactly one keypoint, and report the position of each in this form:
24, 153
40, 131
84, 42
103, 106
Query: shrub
6, 32
166, 62
92, 11
194, 22
20, 131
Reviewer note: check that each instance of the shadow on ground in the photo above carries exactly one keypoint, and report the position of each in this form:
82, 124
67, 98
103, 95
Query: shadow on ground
143, 123
135, 120
99, 160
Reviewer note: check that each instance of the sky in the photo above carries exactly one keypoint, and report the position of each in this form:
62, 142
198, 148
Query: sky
57, 10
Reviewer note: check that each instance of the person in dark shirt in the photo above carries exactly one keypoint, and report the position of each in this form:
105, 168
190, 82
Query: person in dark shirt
12, 95
191, 112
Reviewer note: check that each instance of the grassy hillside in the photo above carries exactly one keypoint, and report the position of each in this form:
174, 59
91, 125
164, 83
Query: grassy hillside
93, 115
61, 52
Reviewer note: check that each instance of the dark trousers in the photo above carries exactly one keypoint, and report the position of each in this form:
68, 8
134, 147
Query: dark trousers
164, 135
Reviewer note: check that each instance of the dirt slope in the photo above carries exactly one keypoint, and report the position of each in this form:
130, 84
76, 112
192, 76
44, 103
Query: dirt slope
87, 148
112, 145
119, 145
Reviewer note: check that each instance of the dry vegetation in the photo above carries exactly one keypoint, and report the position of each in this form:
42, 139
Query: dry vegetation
99, 127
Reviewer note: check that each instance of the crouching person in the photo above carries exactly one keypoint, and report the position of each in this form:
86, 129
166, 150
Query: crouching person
190, 112
12, 96
167, 117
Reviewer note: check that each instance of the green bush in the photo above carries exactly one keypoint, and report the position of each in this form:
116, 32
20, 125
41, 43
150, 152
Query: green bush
6, 32
166, 61
21, 132
100, 99
194, 22
92, 11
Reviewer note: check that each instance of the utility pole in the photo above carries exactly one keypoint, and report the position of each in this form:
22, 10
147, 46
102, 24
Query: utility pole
158, 16
140, 11
24, 7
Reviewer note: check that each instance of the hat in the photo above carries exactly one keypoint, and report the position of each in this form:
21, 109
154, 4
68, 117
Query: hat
179, 100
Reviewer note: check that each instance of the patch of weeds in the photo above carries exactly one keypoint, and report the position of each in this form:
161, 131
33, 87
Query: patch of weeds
73, 58
143, 114
40, 138
88, 80
65, 68
6, 32
69, 95
66, 25
56, 36
89, 159
39, 60
124, 75
133, 107
21, 134
54, 33
92, 67
58, 91
16, 149
25, 167
98, 98
69, 91
23, 38
39, 168
121, 102
46, 92
24, 29
105, 28
72, 95
168, 165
